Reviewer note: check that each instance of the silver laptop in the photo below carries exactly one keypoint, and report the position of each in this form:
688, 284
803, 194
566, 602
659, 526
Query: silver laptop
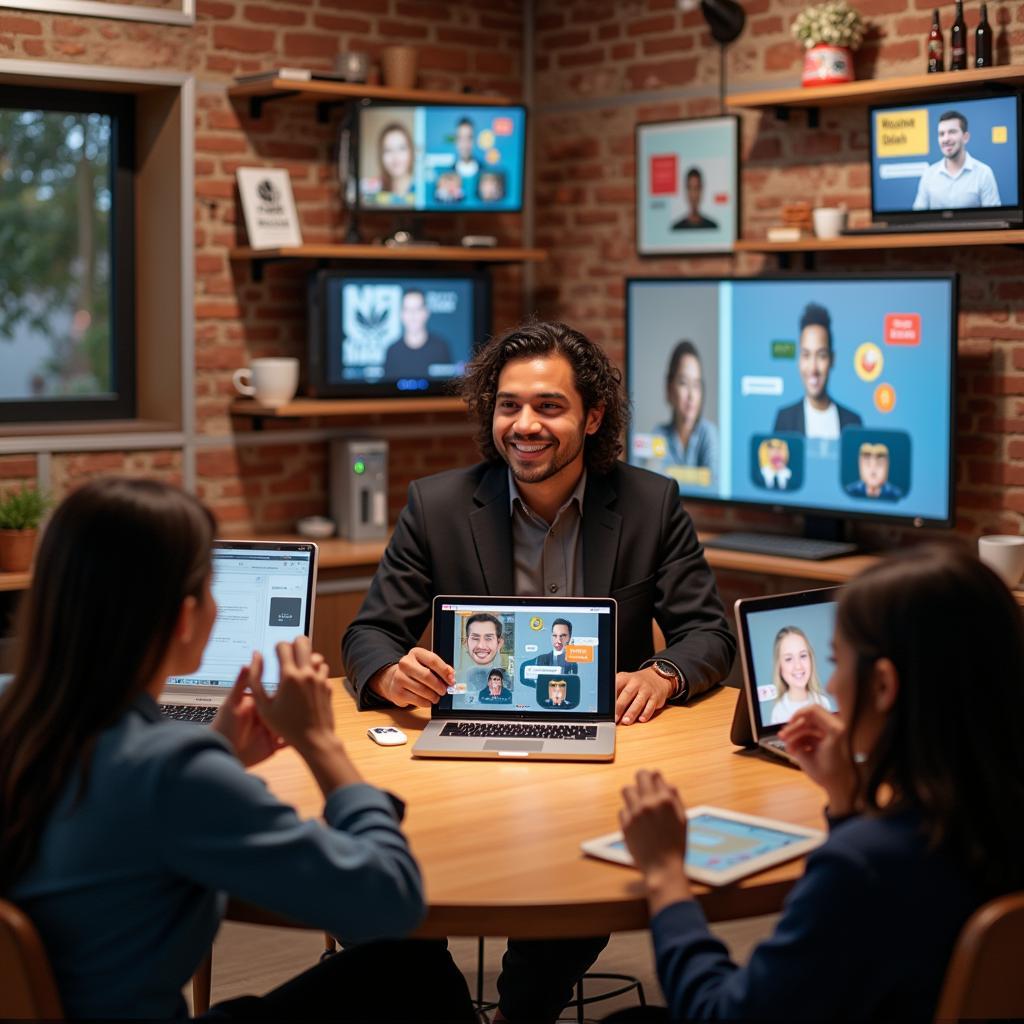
534, 679
785, 644
265, 594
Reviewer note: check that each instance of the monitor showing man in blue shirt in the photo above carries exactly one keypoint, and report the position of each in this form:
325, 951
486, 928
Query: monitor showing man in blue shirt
958, 181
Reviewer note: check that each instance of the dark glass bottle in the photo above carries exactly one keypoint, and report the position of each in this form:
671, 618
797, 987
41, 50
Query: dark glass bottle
958, 40
936, 55
983, 41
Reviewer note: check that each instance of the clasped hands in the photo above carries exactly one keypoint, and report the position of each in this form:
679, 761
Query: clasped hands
421, 678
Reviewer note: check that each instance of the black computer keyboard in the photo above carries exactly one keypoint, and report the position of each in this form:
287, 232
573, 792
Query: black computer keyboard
202, 713
782, 544
510, 730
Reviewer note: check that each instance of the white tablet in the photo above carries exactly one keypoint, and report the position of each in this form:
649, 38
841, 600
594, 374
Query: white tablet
723, 846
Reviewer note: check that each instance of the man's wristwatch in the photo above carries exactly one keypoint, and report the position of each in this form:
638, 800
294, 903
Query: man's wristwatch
667, 670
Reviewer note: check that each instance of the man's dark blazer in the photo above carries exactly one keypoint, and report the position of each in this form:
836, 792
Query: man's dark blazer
639, 546
791, 418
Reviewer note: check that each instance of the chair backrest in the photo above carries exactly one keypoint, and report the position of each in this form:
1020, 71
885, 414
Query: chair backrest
984, 978
27, 988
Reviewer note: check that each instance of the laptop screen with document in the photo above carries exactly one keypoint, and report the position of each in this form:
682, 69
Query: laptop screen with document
527, 656
264, 594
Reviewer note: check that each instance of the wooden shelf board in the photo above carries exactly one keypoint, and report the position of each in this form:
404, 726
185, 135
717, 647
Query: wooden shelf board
14, 580
883, 89
302, 407
908, 240
325, 92
435, 253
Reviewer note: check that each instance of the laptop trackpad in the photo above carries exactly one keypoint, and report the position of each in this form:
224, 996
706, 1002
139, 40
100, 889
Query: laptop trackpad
514, 745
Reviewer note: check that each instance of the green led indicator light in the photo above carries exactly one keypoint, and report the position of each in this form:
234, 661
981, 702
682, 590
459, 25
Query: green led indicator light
359, 467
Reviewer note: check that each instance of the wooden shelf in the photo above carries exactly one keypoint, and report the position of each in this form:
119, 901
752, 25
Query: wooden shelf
344, 407
14, 580
386, 254
883, 89
330, 93
908, 240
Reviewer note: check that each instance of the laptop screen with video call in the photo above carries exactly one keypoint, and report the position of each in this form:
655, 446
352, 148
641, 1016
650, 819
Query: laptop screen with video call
527, 656
264, 594
787, 654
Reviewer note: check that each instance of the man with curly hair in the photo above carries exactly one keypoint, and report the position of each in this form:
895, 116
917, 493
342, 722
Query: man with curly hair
553, 512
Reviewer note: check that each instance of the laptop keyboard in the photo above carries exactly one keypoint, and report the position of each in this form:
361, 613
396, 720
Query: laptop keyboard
201, 713
511, 730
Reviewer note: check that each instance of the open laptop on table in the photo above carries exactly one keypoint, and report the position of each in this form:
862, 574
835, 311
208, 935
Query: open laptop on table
784, 646
264, 592
515, 695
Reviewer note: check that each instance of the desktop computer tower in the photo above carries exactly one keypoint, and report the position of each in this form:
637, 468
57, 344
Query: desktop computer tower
359, 488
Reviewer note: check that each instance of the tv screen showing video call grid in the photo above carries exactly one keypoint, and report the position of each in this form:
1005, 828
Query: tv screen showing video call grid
442, 158
399, 331
830, 395
515, 659
952, 154
791, 659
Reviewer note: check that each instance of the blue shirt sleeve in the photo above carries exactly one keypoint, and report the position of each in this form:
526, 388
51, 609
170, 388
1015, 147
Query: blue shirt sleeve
222, 828
805, 971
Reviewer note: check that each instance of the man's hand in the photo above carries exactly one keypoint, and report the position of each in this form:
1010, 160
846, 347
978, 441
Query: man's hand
639, 694
239, 721
421, 679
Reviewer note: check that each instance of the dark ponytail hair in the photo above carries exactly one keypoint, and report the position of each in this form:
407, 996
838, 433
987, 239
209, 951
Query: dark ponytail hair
953, 743
114, 565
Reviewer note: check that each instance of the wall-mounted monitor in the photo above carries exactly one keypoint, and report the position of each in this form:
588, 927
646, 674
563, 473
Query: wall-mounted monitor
947, 160
375, 333
441, 158
832, 396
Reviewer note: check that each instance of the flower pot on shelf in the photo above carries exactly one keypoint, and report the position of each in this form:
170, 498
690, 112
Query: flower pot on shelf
826, 64
16, 549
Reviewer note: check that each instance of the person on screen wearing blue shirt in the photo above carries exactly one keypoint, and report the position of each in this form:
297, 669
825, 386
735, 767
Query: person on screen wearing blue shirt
418, 349
495, 692
123, 833
688, 439
925, 793
795, 675
958, 181
817, 414
873, 464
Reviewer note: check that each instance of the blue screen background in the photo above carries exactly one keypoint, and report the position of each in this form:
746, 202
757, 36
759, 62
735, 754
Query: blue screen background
896, 195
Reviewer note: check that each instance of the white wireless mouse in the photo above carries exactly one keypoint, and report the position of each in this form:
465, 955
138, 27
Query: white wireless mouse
387, 735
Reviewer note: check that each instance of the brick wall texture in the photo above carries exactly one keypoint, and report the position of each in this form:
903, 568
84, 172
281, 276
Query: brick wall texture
599, 68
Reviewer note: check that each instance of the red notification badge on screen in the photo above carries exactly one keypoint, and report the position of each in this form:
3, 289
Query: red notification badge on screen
664, 174
902, 329
502, 126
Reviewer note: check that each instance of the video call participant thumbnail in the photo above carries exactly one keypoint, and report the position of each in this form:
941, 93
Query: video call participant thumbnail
694, 188
795, 675
958, 181
556, 697
483, 635
418, 348
873, 465
817, 414
495, 692
395, 152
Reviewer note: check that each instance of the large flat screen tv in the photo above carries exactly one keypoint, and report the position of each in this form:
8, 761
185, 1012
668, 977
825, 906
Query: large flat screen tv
947, 160
375, 334
441, 158
829, 396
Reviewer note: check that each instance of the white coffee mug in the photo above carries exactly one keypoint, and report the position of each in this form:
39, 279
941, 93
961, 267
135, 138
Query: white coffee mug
829, 221
1005, 554
269, 381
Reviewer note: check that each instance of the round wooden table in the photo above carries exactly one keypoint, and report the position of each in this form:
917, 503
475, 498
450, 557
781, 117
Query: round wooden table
499, 843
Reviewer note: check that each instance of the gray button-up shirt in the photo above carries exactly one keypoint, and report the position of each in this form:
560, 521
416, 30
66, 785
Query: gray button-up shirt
547, 557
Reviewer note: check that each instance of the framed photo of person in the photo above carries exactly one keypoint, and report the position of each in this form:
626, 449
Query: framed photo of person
687, 186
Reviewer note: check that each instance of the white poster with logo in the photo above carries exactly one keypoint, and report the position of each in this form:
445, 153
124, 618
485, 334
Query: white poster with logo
271, 221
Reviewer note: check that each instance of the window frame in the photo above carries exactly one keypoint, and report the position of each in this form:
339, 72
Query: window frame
120, 107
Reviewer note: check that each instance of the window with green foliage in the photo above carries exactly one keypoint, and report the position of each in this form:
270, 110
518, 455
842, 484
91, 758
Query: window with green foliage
66, 255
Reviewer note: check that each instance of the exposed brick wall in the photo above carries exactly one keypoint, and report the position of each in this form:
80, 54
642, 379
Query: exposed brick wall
588, 53
16, 472
71, 470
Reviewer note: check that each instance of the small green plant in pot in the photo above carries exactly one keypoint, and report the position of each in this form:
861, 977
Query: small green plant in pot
21, 512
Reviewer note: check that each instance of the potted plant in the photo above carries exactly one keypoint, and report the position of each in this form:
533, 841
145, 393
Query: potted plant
20, 514
830, 32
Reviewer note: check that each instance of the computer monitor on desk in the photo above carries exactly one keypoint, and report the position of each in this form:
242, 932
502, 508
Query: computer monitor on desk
833, 397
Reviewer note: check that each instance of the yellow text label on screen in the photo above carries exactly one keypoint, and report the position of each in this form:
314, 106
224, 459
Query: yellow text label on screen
902, 133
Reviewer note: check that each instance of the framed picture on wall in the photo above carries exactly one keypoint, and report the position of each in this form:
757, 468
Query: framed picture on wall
687, 186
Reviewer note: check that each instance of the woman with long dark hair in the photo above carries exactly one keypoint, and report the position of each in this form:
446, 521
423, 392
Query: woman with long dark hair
923, 769
122, 832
